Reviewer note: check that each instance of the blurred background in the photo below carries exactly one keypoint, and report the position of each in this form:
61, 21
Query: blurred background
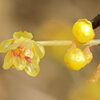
48, 20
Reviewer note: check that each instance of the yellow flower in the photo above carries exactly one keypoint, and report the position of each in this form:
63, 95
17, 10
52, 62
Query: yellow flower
23, 53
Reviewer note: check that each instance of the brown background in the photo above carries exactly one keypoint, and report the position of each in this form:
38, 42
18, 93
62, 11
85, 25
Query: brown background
47, 20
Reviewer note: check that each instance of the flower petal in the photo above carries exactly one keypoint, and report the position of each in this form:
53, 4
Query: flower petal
35, 60
31, 70
29, 53
23, 34
40, 50
5, 45
27, 43
19, 63
8, 61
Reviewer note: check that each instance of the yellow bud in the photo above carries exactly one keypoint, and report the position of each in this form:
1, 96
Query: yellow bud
75, 59
88, 54
83, 31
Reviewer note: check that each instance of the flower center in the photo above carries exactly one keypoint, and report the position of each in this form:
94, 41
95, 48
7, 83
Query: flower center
23, 53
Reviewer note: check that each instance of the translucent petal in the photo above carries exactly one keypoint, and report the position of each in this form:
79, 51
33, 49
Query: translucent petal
29, 53
35, 59
40, 50
5, 45
23, 34
13, 46
27, 43
32, 70
19, 63
8, 61
24, 42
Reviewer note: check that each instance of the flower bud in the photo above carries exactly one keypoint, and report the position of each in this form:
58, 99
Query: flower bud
83, 31
75, 59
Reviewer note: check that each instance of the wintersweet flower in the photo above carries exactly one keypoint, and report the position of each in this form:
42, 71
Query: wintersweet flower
22, 53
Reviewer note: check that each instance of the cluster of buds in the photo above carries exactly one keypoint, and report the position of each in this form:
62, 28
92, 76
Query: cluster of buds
75, 58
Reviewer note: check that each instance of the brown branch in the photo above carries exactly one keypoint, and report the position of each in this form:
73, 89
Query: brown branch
96, 21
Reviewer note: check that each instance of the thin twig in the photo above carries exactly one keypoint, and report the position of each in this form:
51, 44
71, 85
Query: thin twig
93, 42
55, 43
67, 42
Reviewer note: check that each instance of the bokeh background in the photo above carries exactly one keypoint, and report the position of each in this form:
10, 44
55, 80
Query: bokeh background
48, 20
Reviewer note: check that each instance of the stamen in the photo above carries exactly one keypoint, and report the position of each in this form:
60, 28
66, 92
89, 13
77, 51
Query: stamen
14, 53
19, 53
28, 59
21, 47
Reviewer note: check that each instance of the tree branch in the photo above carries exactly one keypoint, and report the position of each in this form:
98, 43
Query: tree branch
96, 21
